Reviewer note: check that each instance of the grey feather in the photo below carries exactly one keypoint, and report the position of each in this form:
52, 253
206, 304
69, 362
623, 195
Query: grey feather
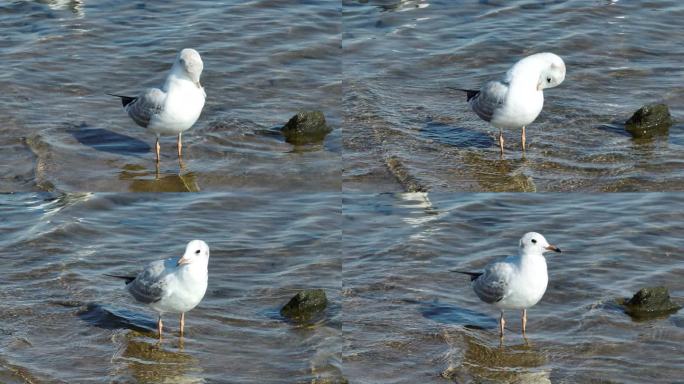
491, 286
143, 108
489, 99
148, 287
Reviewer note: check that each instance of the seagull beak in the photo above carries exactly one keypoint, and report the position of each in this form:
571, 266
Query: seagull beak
553, 248
183, 260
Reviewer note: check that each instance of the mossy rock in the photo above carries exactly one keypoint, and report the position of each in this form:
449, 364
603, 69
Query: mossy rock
649, 121
305, 305
306, 128
649, 302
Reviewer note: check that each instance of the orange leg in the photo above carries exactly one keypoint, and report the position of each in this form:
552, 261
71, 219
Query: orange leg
157, 149
159, 327
523, 138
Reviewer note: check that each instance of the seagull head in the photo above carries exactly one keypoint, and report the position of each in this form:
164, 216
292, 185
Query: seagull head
190, 63
552, 70
195, 251
533, 242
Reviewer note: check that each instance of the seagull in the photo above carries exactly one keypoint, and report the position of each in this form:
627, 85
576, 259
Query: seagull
516, 100
175, 107
172, 285
517, 282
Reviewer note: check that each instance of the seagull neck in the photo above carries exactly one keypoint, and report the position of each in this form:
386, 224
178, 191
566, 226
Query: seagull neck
525, 73
524, 81
531, 257
176, 77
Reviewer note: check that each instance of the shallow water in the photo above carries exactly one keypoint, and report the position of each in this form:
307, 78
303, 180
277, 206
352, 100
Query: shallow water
407, 319
263, 62
400, 57
61, 320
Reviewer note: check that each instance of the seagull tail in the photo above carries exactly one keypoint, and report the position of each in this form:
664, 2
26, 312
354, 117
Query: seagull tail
125, 100
127, 278
473, 275
470, 93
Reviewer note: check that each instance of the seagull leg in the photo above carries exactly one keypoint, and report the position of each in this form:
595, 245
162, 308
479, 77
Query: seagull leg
180, 145
159, 326
180, 152
501, 141
157, 149
182, 323
157, 158
523, 138
524, 320
502, 322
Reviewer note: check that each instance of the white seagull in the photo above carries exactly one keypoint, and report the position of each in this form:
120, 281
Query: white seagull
172, 285
517, 282
516, 100
175, 107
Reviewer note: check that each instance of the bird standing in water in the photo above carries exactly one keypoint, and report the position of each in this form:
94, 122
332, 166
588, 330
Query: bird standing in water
517, 282
175, 107
516, 100
172, 285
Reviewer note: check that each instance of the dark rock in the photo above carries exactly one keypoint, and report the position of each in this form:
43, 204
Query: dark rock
650, 120
305, 305
650, 302
306, 128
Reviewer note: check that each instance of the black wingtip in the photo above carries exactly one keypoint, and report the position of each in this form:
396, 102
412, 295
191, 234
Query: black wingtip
470, 93
473, 275
128, 279
125, 100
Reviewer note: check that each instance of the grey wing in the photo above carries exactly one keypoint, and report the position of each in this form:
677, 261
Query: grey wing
492, 285
150, 103
148, 287
490, 98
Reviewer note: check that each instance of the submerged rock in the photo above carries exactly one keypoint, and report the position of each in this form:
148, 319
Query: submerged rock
649, 120
305, 305
650, 302
306, 128
404, 177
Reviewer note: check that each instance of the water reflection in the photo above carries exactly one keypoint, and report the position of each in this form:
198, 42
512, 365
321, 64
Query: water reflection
144, 180
422, 213
75, 6
151, 362
402, 5
501, 175
520, 363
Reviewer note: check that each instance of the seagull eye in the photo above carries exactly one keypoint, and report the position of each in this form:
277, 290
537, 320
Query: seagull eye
534, 241
548, 79
197, 252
